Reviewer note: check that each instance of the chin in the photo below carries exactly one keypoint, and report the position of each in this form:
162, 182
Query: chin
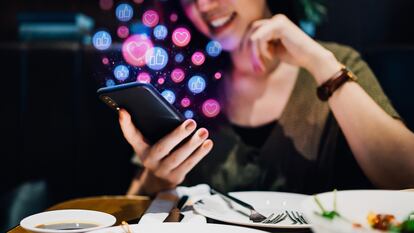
229, 43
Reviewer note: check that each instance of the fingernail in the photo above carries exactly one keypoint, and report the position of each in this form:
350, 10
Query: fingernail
202, 133
189, 125
207, 144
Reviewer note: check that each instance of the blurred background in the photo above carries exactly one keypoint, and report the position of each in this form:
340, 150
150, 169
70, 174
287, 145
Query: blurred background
58, 141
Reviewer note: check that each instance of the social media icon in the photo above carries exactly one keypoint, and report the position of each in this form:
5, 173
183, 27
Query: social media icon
124, 12
110, 83
144, 77
181, 37
121, 72
101, 40
169, 96
196, 84
150, 18
122, 32
177, 75
179, 57
161, 80
198, 58
188, 114
185, 102
210, 108
213, 48
156, 58
160, 32
218, 75
135, 48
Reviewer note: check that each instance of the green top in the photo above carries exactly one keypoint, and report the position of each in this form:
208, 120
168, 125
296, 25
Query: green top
305, 152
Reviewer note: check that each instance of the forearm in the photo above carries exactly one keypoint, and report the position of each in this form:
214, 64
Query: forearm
146, 183
382, 145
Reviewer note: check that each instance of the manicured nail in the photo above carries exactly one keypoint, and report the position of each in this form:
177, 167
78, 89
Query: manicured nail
190, 125
207, 144
202, 133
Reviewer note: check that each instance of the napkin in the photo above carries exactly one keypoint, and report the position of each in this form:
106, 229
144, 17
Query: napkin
165, 201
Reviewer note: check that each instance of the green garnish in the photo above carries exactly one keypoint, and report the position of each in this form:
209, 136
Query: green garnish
328, 214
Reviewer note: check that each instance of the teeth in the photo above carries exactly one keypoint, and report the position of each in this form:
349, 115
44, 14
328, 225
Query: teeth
220, 21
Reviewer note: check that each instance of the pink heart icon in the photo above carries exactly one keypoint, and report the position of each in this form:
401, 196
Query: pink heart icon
211, 108
181, 36
177, 75
150, 18
137, 50
198, 58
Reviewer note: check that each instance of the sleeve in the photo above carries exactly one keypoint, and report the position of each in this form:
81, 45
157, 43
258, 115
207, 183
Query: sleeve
366, 78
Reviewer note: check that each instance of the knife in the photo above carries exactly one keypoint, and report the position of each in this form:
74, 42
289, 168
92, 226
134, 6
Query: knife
175, 214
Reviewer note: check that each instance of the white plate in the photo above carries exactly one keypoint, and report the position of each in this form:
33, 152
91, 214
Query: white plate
355, 205
179, 228
67, 216
266, 203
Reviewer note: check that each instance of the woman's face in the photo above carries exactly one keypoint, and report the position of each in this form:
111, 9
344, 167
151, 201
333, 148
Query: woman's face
224, 20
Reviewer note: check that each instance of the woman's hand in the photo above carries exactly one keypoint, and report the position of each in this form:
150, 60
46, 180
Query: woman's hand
279, 39
166, 164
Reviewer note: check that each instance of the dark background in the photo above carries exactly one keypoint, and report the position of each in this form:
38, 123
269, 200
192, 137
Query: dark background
58, 141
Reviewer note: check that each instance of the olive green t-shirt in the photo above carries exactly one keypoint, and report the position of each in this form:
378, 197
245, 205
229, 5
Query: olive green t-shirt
305, 152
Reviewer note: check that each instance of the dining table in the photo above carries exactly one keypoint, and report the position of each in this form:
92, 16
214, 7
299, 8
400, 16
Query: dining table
125, 208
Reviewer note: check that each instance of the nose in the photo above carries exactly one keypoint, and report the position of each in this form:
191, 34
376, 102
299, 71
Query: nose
206, 5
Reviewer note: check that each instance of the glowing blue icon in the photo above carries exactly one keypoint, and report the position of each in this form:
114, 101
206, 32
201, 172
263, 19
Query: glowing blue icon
169, 96
188, 114
124, 12
179, 58
121, 72
110, 83
156, 58
213, 48
196, 84
101, 40
160, 32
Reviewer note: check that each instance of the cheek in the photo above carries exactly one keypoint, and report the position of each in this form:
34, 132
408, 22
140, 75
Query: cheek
193, 14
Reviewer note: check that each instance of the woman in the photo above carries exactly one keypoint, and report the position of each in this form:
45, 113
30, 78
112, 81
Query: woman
279, 135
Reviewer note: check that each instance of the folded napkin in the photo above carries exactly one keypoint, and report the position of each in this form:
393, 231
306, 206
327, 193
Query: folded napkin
166, 201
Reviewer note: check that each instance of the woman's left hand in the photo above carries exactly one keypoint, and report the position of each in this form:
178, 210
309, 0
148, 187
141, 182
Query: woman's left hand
278, 38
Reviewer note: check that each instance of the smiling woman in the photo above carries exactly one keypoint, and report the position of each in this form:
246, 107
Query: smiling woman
277, 133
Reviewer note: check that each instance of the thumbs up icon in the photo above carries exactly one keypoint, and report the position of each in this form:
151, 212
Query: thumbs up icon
157, 58
124, 12
101, 40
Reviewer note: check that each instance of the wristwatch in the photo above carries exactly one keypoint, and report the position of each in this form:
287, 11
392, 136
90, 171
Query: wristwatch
327, 88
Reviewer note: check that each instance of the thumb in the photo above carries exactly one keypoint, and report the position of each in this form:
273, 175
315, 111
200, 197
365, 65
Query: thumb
131, 133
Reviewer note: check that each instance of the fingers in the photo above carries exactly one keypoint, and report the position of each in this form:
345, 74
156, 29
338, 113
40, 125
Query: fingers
131, 133
165, 145
181, 171
178, 156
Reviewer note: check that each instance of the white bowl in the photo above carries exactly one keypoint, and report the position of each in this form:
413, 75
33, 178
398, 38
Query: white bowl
355, 206
100, 219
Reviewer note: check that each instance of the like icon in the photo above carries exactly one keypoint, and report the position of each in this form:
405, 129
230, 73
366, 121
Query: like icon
135, 48
124, 12
210, 108
156, 58
181, 37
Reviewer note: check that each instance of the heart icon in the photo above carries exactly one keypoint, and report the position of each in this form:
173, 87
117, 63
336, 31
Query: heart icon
150, 18
198, 58
137, 50
177, 75
211, 108
181, 37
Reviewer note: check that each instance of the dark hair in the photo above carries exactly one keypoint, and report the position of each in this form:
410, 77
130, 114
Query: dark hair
312, 11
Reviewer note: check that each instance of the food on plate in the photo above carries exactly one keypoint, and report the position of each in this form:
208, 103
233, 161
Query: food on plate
382, 222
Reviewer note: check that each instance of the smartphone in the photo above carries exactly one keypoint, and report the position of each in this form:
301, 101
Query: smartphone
151, 113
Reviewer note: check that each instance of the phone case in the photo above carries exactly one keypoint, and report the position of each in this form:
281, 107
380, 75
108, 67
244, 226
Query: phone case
151, 113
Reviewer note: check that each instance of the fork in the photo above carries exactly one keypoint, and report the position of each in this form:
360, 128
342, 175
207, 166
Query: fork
254, 215
277, 219
296, 217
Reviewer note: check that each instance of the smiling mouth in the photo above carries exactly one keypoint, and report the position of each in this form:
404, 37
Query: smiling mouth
219, 24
